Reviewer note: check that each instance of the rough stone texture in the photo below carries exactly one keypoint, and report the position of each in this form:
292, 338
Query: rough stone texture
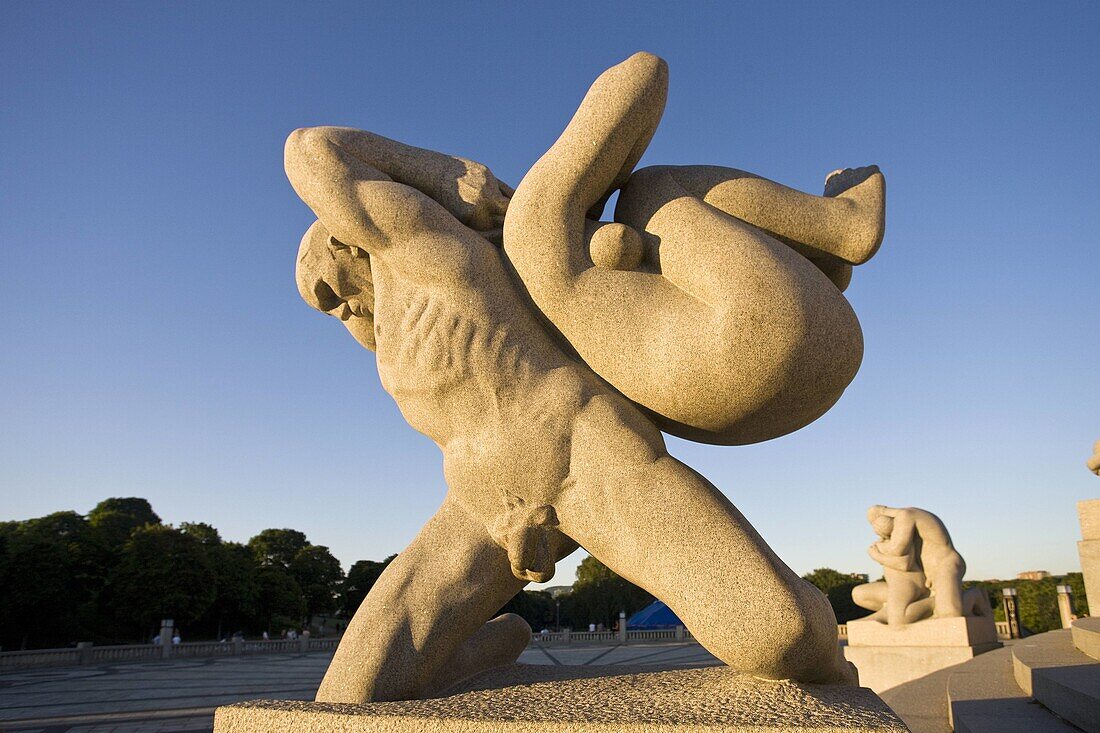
882, 668
721, 333
983, 697
933, 632
1086, 636
1050, 669
1088, 549
1088, 512
586, 700
922, 703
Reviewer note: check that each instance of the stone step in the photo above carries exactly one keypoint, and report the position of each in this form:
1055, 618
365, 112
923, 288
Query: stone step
1049, 668
983, 697
1086, 636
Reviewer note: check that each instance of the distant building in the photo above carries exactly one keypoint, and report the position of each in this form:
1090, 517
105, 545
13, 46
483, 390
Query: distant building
557, 590
1033, 575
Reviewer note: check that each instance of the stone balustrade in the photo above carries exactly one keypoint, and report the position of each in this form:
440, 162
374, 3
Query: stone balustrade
86, 653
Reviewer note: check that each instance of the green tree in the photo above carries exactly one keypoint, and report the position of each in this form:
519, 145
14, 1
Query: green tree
162, 573
535, 607
203, 532
1036, 599
115, 519
53, 571
837, 587
599, 595
320, 577
277, 547
361, 578
237, 591
280, 602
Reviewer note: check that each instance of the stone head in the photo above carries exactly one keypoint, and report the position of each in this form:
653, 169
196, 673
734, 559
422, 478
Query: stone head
335, 278
880, 522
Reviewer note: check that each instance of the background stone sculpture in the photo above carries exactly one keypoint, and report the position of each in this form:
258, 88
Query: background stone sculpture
1094, 462
923, 571
540, 455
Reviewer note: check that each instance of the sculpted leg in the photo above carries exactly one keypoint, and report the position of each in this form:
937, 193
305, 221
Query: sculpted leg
847, 222
903, 591
947, 593
498, 642
731, 338
871, 596
432, 598
696, 233
664, 527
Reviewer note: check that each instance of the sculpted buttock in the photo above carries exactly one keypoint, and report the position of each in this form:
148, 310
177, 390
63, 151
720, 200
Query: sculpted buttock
543, 350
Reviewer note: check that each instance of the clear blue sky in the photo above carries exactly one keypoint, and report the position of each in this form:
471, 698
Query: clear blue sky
153, 342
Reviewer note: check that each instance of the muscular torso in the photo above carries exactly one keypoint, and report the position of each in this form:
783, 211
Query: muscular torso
470, 366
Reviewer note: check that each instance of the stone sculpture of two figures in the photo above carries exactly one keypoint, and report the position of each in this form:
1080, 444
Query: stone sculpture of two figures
922, 571
545, 350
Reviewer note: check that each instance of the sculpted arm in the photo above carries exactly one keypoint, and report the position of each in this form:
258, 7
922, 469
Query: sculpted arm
894, 562
370, 190
901, 538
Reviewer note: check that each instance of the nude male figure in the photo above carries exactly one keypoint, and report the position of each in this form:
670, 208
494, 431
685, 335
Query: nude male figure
539, 453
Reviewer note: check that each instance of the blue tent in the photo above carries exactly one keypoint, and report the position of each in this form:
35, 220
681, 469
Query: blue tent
654, 616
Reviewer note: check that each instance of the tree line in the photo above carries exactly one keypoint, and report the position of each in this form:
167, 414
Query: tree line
1037, 599
110, 576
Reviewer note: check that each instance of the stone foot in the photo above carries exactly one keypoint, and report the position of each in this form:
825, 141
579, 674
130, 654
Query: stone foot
866, 188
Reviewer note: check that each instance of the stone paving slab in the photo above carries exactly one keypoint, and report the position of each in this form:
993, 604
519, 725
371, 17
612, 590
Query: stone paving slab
179, 696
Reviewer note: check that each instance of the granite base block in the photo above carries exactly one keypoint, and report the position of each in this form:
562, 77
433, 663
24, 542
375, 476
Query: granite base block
884, 667
933, 632
611, 699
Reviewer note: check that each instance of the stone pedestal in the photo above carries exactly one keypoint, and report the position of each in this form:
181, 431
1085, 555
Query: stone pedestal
1088, 548
611, 699
887, 656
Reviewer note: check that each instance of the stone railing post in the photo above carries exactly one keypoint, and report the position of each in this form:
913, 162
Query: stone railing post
565, 636
1009, 599
238, 646
85, 649
166, 630
622, 627
1065, 606
679, 633
303, 644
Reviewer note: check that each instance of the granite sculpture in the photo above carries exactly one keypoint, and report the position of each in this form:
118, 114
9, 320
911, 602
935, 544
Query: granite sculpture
923, 620
544, 351
922, 570
1094, 462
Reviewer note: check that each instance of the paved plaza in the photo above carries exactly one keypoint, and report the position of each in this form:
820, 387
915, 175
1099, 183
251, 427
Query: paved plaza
179, 696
